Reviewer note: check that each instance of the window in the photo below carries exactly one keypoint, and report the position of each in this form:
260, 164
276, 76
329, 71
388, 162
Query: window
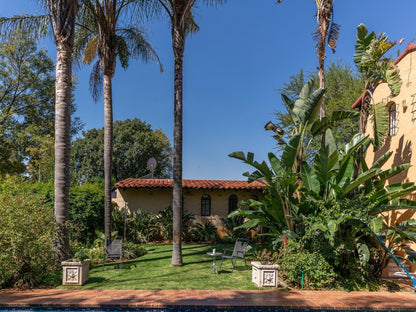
205, 205
392, 119
232, 203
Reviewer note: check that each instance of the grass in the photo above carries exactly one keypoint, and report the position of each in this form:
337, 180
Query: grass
153, 271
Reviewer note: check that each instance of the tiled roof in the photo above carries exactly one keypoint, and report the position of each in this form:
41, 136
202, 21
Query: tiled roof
410, 48
191, 184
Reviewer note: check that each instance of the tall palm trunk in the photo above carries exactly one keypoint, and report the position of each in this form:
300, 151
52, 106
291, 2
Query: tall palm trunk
63, 86
321, 75
178, 43
108, 153
364, 113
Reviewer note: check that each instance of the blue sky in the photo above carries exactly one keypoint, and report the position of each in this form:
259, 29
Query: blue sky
242, 53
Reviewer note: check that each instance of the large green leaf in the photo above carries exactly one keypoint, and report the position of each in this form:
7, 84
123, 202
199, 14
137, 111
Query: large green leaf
290, 152
380, 120
363, 252
382, 160
276, 165
384, 175
309, 179
306, 107
359, 180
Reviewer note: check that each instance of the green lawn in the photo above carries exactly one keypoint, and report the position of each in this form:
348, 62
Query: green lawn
153, 271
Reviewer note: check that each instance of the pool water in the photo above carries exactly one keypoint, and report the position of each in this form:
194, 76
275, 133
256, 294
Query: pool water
166, 310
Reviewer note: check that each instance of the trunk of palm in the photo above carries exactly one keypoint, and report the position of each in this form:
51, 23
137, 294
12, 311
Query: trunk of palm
178, 43
108, 152
63, 86
364, 113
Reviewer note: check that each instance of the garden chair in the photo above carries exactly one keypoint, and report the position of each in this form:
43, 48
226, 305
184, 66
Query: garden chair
238, 252
114, 250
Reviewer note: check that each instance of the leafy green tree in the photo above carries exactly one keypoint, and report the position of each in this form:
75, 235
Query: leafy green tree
180, 13
26, 98
343, 87
27, 108
134, 143
101, 35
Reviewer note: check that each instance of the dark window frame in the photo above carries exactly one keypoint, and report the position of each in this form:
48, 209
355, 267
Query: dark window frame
392, 119
232, 203
205, 205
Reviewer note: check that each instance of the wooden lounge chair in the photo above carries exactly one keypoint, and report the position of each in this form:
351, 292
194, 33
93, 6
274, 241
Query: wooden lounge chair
238, 252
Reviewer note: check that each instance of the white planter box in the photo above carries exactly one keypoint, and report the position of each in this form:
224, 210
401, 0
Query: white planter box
75, 272
264, 274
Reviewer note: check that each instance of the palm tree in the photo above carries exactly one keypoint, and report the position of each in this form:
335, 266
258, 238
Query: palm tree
326, 33
376, 69
62, 15
182, 23
100, 34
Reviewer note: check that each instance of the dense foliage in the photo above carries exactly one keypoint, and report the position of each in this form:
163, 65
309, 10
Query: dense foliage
328, 205
26, 231
342, 88
135, 142
27, 108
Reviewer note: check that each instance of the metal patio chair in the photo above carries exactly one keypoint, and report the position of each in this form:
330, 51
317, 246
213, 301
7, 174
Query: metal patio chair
114, 250
238, 252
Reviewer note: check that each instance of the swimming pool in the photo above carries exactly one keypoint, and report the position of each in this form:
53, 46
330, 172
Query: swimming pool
168, 310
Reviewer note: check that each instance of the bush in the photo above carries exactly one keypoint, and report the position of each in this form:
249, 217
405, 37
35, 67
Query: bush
317, 272
26, 232
87, 212
133, 251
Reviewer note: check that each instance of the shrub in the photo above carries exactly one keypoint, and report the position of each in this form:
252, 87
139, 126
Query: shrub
230, 224
165, 222
133, 251
316, 271
87, 212
95, 254
26, 234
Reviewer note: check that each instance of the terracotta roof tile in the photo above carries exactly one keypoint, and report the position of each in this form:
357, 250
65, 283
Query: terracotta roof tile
410, 48
191, 184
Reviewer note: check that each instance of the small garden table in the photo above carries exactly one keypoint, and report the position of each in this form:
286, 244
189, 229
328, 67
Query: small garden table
214, 268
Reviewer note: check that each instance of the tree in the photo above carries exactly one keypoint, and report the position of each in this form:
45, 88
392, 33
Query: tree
343, 87
371, 62
182, 23
100, 34
61, 17
134, 143
327, 32
27, 97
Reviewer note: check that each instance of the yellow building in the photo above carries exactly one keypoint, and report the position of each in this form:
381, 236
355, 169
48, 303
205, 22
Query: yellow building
401, 138
208, 200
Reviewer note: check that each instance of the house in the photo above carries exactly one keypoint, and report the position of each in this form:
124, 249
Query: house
208, 200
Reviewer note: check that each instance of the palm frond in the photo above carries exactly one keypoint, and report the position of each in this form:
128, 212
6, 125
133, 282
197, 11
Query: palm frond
333, 35
96, 82
138, 46
35, 25
90, 51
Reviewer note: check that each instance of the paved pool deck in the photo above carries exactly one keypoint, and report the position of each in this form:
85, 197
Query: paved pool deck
283, 299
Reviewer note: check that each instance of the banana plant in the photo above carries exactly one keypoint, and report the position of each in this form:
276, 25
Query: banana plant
275, 212
343, 203
376, 68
